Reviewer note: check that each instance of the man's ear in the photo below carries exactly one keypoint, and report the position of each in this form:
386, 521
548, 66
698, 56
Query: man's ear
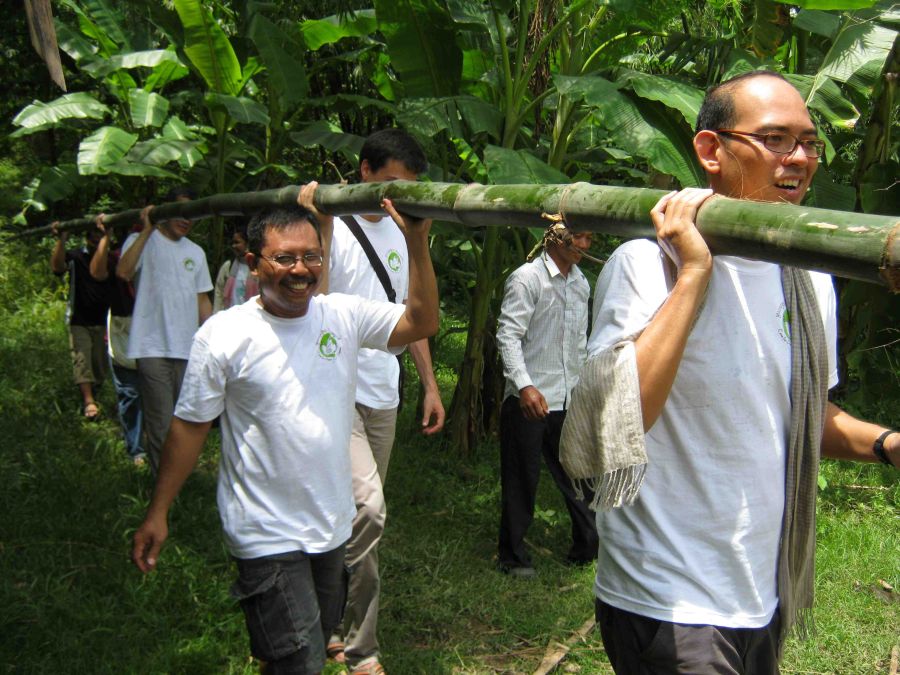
365, 170
251, 261
707, 146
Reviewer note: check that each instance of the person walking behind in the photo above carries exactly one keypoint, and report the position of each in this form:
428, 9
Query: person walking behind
85, 315
118, 327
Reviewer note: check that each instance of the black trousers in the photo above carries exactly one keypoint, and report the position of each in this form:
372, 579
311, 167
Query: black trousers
522, 443
639, 645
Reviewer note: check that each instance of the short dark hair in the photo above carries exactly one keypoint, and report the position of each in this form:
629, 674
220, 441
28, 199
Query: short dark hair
387, 144
717, 110
179, 191
277, 219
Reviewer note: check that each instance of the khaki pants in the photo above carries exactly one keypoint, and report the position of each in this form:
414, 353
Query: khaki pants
370, 451
88, 348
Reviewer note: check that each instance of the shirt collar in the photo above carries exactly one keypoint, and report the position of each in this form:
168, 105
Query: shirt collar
553, 270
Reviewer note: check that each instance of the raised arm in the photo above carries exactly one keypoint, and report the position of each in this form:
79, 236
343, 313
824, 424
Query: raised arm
433, 414
179, 457
99, 267
128, 263
58, 256
306, 199
846, 437
660, 347
420, 319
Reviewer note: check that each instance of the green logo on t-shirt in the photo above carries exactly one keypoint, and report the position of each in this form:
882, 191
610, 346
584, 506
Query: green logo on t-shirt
189, 264
328, 346
394, 260
784, 315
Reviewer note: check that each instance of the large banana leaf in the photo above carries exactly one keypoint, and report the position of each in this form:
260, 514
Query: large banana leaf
160, 151
858, 44
818, 22
320, 32
646, 130
147, 109
505, 167
40, 115
421, 41
461, 116
177, 130
827, 100
108, 19
675, 94
145, 59
239, 108
74, 44
330, 137
53, 183
283, 59
208, 48
102, 149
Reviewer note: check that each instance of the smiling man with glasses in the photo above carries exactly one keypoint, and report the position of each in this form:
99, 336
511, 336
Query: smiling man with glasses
281, 371
720, 367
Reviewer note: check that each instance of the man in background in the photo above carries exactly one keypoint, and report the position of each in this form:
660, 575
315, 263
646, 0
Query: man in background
542, 336
386, 155
173, 285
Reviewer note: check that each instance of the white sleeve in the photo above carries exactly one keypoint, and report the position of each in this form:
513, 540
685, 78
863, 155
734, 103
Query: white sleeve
516, 311
376, 321
629, 291
203, 390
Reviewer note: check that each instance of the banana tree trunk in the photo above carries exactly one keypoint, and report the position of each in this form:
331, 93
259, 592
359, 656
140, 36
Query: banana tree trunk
855, 245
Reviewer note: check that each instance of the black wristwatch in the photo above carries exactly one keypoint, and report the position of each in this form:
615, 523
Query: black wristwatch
878, 447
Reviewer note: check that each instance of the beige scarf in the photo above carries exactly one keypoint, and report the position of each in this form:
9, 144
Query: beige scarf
602, 442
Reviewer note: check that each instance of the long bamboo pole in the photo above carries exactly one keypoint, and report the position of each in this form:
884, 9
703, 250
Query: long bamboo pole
855, 245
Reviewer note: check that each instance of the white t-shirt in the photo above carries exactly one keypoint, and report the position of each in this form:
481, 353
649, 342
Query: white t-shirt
700, 543
285, 389
170, 274
351, 272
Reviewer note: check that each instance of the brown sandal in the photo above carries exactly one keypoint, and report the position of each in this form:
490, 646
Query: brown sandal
373, 668
335, 651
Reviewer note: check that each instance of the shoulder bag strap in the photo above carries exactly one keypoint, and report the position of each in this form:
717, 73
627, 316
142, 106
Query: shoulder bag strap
376, 263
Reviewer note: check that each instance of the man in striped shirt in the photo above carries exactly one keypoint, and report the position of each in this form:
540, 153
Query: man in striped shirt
542, 336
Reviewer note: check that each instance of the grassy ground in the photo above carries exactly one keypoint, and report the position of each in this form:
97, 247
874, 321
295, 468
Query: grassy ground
73, 603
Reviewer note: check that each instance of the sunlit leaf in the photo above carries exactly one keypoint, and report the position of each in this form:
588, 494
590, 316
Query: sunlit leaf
331, 29
78, 105
147, 109
99, 151
208, 48
676, 94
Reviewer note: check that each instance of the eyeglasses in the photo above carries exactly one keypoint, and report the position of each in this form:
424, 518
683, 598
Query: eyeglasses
782, 143
287, 261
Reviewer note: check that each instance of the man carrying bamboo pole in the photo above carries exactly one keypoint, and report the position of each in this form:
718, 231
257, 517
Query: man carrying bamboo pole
724, 363
172, 280
369, 258
281, 370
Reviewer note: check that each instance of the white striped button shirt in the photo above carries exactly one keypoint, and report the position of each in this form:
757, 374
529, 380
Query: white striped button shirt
542, 332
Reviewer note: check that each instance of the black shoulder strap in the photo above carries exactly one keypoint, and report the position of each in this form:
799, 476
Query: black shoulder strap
376, 263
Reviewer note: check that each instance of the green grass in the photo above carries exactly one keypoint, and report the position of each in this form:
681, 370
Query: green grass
73, 603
